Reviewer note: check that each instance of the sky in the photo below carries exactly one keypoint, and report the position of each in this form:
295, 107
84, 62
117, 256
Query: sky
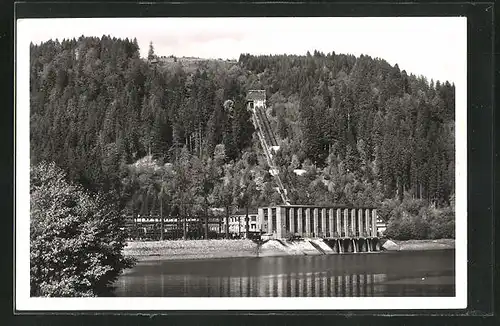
420, 45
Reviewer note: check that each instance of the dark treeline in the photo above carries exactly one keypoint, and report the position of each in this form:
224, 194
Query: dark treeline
364, 131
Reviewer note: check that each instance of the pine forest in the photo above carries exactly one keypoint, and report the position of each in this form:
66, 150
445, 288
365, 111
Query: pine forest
174, 134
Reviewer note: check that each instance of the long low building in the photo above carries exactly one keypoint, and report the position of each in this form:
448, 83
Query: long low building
318, 221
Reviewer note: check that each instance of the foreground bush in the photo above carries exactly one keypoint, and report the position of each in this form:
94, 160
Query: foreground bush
75, 238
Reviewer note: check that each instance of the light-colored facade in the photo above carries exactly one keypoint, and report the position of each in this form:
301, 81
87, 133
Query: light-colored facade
381, 226
318, 221
237, 223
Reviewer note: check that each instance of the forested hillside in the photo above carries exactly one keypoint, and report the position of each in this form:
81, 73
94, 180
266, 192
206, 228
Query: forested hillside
366, 132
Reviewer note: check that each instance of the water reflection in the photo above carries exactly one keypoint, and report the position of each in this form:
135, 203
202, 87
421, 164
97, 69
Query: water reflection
428, 274
317, 284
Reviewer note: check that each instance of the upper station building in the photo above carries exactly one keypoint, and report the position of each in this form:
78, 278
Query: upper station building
256, 98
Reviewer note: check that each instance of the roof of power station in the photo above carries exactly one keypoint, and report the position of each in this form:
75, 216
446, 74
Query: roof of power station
256, 95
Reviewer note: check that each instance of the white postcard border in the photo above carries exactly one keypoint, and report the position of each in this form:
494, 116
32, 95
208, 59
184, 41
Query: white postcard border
23, 301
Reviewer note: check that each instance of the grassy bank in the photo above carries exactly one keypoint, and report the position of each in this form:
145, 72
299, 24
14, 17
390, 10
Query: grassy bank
207, 249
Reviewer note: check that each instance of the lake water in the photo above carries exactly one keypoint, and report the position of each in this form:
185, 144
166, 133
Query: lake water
411, 273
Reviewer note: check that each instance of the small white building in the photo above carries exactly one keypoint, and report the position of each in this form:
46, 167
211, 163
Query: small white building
237, 222
299, 172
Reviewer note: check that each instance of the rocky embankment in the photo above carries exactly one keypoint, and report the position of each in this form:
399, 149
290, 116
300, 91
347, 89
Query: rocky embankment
207, 249
295, 247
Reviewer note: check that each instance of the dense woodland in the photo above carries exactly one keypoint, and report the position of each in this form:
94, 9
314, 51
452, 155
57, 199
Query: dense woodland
160, 136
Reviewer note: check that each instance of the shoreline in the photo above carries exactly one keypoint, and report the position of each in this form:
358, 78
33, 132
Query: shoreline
413, 245
216, 249
190, 249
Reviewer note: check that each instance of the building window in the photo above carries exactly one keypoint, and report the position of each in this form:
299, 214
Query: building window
253, 218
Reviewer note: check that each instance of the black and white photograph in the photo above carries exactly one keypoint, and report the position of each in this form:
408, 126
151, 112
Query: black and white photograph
241, 163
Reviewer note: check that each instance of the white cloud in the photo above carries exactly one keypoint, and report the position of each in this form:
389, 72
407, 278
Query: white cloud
420, 45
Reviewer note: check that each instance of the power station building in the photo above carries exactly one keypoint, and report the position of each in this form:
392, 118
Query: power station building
318, 221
